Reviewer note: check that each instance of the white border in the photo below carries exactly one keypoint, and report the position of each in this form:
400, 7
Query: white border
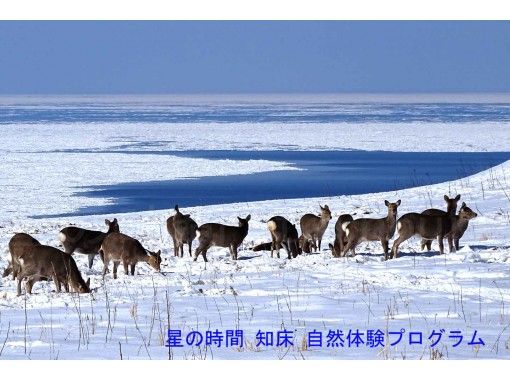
254, 10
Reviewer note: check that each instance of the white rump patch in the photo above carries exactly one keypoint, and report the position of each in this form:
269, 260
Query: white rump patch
271, 225
197, 234
21, 261
399, 226
344, 226
62, 237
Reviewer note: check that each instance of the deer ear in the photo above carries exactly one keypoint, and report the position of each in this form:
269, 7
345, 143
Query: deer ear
463, 204
107, 222
187, 215
386, 203
330, 246
457, 197
326, 207
115, 220
158, 253
88, 282
446, 198
398, 202
176, 208
248, 218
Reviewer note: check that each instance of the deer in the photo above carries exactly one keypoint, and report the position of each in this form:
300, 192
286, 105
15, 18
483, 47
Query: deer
461, 225
76, 239
313, 226
119, 247
43, 262
283, 233
220, 235
451, 209
19, 244
182, 229
368, 229
430, 227
337, 247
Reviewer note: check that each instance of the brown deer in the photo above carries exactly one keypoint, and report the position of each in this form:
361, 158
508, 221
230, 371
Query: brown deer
313, 226
461, 225
18, 245
430, 227
220, 235
367, 229
451, 209
182, 229
76, 239
337, 247
283, 233
118, 247
42, 262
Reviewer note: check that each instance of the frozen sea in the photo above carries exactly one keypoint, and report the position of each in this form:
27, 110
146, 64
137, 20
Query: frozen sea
82, 155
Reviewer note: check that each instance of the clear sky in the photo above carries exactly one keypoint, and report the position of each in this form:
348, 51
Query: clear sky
253, 57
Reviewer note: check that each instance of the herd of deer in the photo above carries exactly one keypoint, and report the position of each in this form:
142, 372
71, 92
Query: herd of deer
34, 262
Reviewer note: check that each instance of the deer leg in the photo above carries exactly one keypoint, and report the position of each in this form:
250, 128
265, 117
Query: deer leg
351, 243
29, 285
451, 246
273, 245
441, 244
20, 278
429, 245
234, 250
396, 244
204, 251
133, 269
126, 269
182, 249
189, 246
91, 259
385, 246
66, 286
176, 252
286, 245
278, 245
320, 240
106, 262
57, 283
457, 241
115, 266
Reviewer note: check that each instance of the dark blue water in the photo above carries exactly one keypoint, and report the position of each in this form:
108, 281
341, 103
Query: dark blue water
325, 173
251, 112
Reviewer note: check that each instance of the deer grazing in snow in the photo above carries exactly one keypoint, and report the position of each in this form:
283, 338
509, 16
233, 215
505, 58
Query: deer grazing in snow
76, 239
337, 247
313, 226
220, 235
451, 209
118, 247
367, 229
182, 229
19, 244
43, 262
283, 233
430, 227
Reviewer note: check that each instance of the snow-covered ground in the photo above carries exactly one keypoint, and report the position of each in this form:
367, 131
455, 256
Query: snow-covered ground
128, 317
